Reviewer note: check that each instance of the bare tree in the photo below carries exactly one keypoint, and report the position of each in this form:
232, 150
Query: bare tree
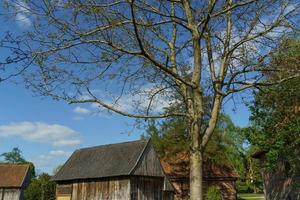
152, 54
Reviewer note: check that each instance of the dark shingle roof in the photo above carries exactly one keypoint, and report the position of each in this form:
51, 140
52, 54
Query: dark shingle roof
12, 175
102, 161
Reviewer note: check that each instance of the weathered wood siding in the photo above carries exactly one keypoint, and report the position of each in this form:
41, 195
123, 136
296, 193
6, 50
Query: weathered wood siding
146, 188
96, 190
149, 164
168, 195
10, 194
277, 186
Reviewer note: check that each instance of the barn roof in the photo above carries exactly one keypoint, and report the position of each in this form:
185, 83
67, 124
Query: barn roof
13, 175
102, 161
177, 167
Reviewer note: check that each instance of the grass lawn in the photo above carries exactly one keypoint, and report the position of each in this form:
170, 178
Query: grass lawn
251, 196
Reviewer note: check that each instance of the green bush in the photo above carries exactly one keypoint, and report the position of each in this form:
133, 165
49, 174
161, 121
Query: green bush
243, 187
213, 193
41, 188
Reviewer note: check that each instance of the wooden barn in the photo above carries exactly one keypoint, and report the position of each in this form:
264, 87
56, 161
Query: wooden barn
124, 171
13, 180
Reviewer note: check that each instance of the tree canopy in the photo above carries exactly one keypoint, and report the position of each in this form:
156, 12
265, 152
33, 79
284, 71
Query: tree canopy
139, 57
225, 148
41, 188
276, 112
15, 157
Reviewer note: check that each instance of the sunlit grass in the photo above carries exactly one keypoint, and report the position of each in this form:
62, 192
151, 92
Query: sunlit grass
251, 196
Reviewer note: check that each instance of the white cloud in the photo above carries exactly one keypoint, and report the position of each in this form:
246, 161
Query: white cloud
66, 142
23, 20
22, 14
134, 101
47, 160
55, 134
81, 110
141, 100
56, 153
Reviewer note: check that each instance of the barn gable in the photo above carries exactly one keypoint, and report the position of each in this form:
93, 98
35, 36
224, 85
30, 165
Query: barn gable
14, 179
148, 164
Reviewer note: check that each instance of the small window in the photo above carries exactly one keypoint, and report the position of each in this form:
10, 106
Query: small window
64, 190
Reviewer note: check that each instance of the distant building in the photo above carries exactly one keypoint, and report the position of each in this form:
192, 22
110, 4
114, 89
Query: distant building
278, 184
124, 171
223, 177
13, 180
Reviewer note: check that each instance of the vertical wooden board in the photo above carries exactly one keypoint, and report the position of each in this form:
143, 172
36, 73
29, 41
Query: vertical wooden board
112, 189
79, 191
146, 188
99, 191
12, 194
82, 191
149, 164
119, 189
74, 191
93, 191
1, 193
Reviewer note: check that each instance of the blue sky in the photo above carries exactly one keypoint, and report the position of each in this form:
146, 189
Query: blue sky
48, 131
25, 119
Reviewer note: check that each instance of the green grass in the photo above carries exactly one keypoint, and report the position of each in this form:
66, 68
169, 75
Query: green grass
251, 196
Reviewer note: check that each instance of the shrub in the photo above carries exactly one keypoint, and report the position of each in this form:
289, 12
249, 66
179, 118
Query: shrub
41, 188
213, 193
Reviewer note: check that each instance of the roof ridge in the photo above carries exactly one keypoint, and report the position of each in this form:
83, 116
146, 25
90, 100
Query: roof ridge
15, 164
111, 144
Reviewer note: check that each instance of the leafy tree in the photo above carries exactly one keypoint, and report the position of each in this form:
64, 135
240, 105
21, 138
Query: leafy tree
225, 148
276, 114
41, 188
141, 52
15, 157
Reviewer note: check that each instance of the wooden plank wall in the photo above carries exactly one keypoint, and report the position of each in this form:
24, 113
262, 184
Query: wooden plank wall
98, 190
150, 164
10, 194
168, 195
146, 188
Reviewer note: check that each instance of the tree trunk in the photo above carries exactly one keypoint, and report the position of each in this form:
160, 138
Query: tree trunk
196, 160
196, 176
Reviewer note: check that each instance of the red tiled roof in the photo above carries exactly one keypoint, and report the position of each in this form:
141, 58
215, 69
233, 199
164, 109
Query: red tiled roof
178, 166
12, 175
